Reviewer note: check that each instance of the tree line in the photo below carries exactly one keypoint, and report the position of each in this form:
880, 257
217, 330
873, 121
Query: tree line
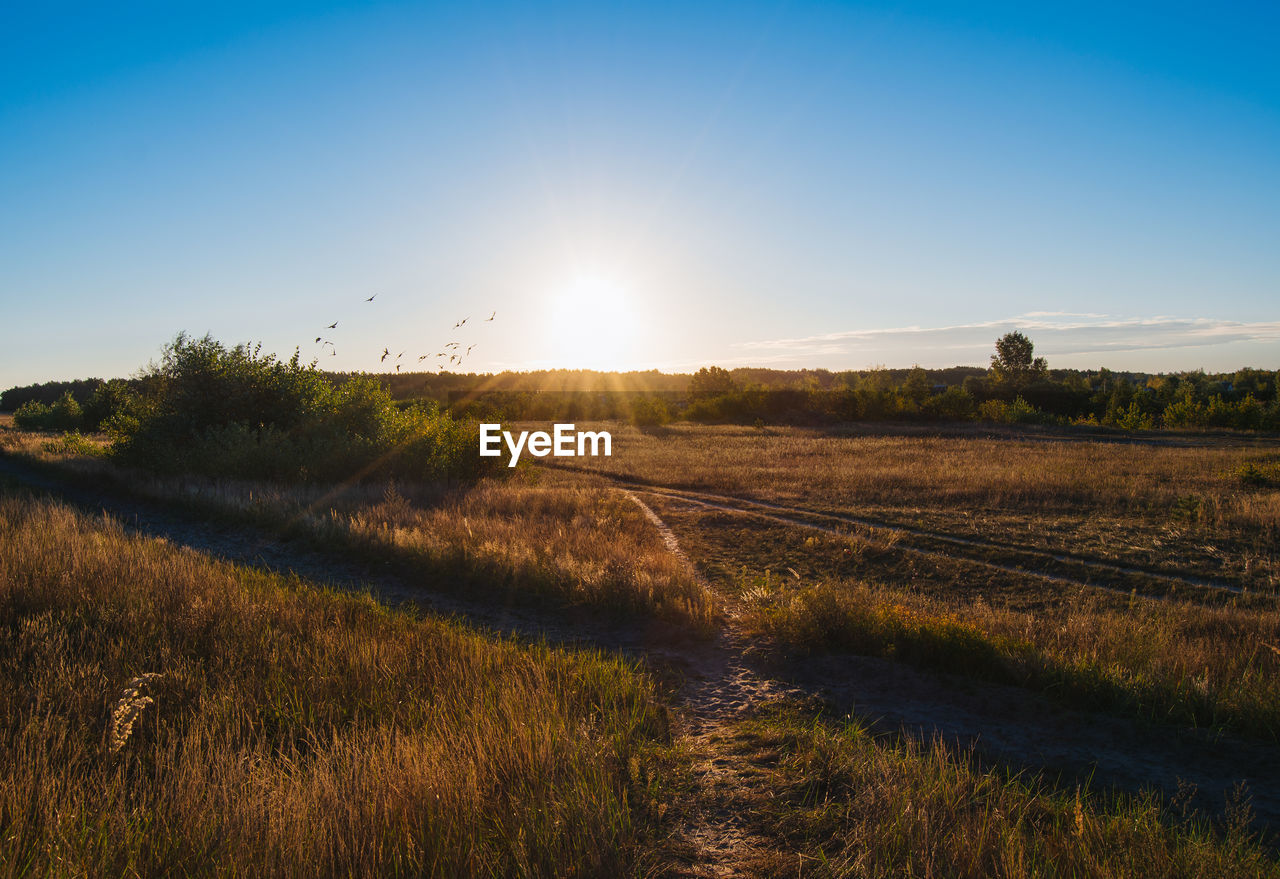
1016, 388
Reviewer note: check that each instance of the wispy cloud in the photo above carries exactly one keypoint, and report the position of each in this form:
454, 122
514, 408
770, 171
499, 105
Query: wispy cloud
1057, 333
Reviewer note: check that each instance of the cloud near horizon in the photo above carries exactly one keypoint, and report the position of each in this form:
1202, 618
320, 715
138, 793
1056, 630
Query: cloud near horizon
1055, 334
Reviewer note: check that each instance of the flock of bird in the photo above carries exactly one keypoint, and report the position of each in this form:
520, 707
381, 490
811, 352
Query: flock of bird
451, 355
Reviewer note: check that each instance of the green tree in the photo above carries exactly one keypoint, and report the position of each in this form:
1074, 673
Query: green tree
916, 387
711, 382
1013, 364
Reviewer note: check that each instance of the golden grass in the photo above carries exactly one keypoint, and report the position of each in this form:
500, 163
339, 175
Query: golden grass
586, 544
1176, 662
1170, 506
582, 545
851, 805
166, 714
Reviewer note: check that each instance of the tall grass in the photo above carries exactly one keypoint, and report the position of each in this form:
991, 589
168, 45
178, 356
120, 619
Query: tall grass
851, 805
166, 714
513, 538
1173, 662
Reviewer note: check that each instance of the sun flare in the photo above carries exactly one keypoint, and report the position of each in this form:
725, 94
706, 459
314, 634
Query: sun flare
591, 322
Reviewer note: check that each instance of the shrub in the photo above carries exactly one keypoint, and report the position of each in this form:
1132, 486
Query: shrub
953, 404
236, 412
1259, 474
62, 414
649, 411
1133, 418
993, 410
111, 402
73, 443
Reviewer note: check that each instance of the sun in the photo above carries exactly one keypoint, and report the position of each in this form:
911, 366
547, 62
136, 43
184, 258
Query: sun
591, 323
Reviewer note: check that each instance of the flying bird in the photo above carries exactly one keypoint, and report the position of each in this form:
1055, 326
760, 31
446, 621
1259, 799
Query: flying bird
460, 323
490, 317
397, 367
423, 357
469, 347
332, 326
385, 354
452, 345
370, 299
317, 338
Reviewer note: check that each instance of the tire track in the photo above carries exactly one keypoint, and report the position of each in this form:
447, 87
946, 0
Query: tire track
803, 518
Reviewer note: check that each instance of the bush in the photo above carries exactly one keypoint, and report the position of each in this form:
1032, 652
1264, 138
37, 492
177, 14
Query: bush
649, 411
63, 414
236, 412
1259, 474
73, 443
953, 404
1132, 418
111, 402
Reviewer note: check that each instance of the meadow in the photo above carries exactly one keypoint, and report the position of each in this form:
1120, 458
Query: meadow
169, 707
1071, 568
1179, 503
170, 714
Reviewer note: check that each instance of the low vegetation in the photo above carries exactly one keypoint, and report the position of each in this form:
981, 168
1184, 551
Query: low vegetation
514, 539
167, 714
1204, 508
582, 546
237, 413
1169, 662
854, 805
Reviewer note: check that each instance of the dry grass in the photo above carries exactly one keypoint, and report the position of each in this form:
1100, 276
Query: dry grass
298, 732
1172, 506
165, 714
851, 805
1171, 662
581, 545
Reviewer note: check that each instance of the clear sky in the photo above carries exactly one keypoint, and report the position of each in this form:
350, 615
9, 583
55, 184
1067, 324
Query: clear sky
631, 186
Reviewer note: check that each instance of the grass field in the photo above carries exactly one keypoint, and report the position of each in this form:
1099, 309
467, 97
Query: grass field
1173, 504
853, 805
517, 540
171, 711
167, 714
1200, 657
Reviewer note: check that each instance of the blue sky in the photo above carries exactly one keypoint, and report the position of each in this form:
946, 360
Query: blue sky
635, 186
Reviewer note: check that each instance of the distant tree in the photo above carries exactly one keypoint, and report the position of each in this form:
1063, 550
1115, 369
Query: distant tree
916, 387
1013, 365
974, 386
710, 382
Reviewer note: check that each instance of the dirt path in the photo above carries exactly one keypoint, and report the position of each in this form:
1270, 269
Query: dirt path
1007, 726
719, 686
